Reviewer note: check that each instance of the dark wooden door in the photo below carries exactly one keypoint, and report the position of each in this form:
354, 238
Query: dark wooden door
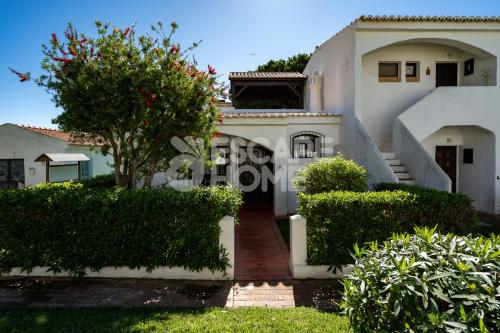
446, 157
446, 74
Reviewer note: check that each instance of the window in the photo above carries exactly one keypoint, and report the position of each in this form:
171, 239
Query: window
389, 72
468, 155
85, 169
306, 145
412, 71
11, 173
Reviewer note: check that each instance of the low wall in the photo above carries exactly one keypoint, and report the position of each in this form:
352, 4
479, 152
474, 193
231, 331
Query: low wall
419, 163
359, 147
226, 240
298, 255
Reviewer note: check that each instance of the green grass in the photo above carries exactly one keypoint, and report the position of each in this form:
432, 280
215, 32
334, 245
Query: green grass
170, 320
284, 228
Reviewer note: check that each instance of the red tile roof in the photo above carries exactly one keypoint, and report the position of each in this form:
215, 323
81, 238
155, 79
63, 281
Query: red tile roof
266, 76
413, 18
248, 114
70, 138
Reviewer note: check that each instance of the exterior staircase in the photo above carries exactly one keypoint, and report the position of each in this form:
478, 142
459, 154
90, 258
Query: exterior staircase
398, 169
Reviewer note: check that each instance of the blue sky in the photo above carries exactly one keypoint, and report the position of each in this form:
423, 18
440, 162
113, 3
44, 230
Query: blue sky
237, 35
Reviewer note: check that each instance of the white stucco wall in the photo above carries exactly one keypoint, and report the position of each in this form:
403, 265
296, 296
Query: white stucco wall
472, 179
274, 134
20, 143
384, 101
335, 62
463, 106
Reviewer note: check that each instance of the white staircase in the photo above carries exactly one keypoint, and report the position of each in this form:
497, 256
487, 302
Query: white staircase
398, 169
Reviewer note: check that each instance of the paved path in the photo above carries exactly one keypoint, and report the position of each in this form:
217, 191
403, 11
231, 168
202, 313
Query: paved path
261, 253
66, 292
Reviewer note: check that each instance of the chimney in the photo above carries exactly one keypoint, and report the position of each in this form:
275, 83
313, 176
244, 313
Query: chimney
315, 104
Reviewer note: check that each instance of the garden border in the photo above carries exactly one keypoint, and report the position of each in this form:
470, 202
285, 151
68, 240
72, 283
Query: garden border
226, 240
298, 255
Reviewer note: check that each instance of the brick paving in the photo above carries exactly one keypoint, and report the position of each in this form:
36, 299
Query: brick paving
261, 253
90, 292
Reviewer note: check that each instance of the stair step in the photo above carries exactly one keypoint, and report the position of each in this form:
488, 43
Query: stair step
389, 155
403, 175
394, 162
398, 168
408, 182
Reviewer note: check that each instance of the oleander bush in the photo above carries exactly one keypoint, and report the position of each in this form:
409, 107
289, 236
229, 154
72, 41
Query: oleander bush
69, 227
425, 282
331, 174
339, 219
452, 212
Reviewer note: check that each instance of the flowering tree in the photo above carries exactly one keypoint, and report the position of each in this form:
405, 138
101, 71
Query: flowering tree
130, 94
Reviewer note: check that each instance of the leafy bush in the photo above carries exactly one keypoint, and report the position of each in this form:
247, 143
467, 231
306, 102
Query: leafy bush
331, 174
338, 220
102, 181
70, 227
426, 282
452, 212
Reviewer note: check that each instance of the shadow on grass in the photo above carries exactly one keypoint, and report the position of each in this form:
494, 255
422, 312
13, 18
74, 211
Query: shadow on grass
169, 320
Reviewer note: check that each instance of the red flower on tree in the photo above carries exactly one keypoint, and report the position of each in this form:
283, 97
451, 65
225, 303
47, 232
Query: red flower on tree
211, 70
54, 38
72, 51
174, 49
22, 77
126, 32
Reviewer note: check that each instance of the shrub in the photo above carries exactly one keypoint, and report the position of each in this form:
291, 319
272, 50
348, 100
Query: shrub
425, 282
338, 220
70, 227
103, 181
331, 174
452, 212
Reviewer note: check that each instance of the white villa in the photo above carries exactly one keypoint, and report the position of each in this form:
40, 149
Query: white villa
413, 99
33, 155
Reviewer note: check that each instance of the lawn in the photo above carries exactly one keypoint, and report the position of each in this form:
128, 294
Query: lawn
170, 320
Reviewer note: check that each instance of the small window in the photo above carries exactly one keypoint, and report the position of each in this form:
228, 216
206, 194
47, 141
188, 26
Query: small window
306, 145
468, 155
85, 169
412, 71
389, 72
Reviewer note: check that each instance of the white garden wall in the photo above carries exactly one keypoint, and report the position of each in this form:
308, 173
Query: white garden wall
226, 240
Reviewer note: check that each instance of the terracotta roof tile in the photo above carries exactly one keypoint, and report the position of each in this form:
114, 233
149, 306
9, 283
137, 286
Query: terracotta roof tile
246, 114
70, 138
266, 76
413, 18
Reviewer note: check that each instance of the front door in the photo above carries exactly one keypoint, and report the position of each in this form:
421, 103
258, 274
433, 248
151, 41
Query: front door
446, 74
446, 157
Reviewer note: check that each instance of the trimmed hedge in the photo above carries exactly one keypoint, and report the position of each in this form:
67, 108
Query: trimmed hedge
69, 227
451, 212
338, 220
426, 282
331, 174
100, 181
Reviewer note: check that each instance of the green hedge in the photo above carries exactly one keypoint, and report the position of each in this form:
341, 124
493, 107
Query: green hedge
70, 227
100, 181
338, 220
426, 282
452, 212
